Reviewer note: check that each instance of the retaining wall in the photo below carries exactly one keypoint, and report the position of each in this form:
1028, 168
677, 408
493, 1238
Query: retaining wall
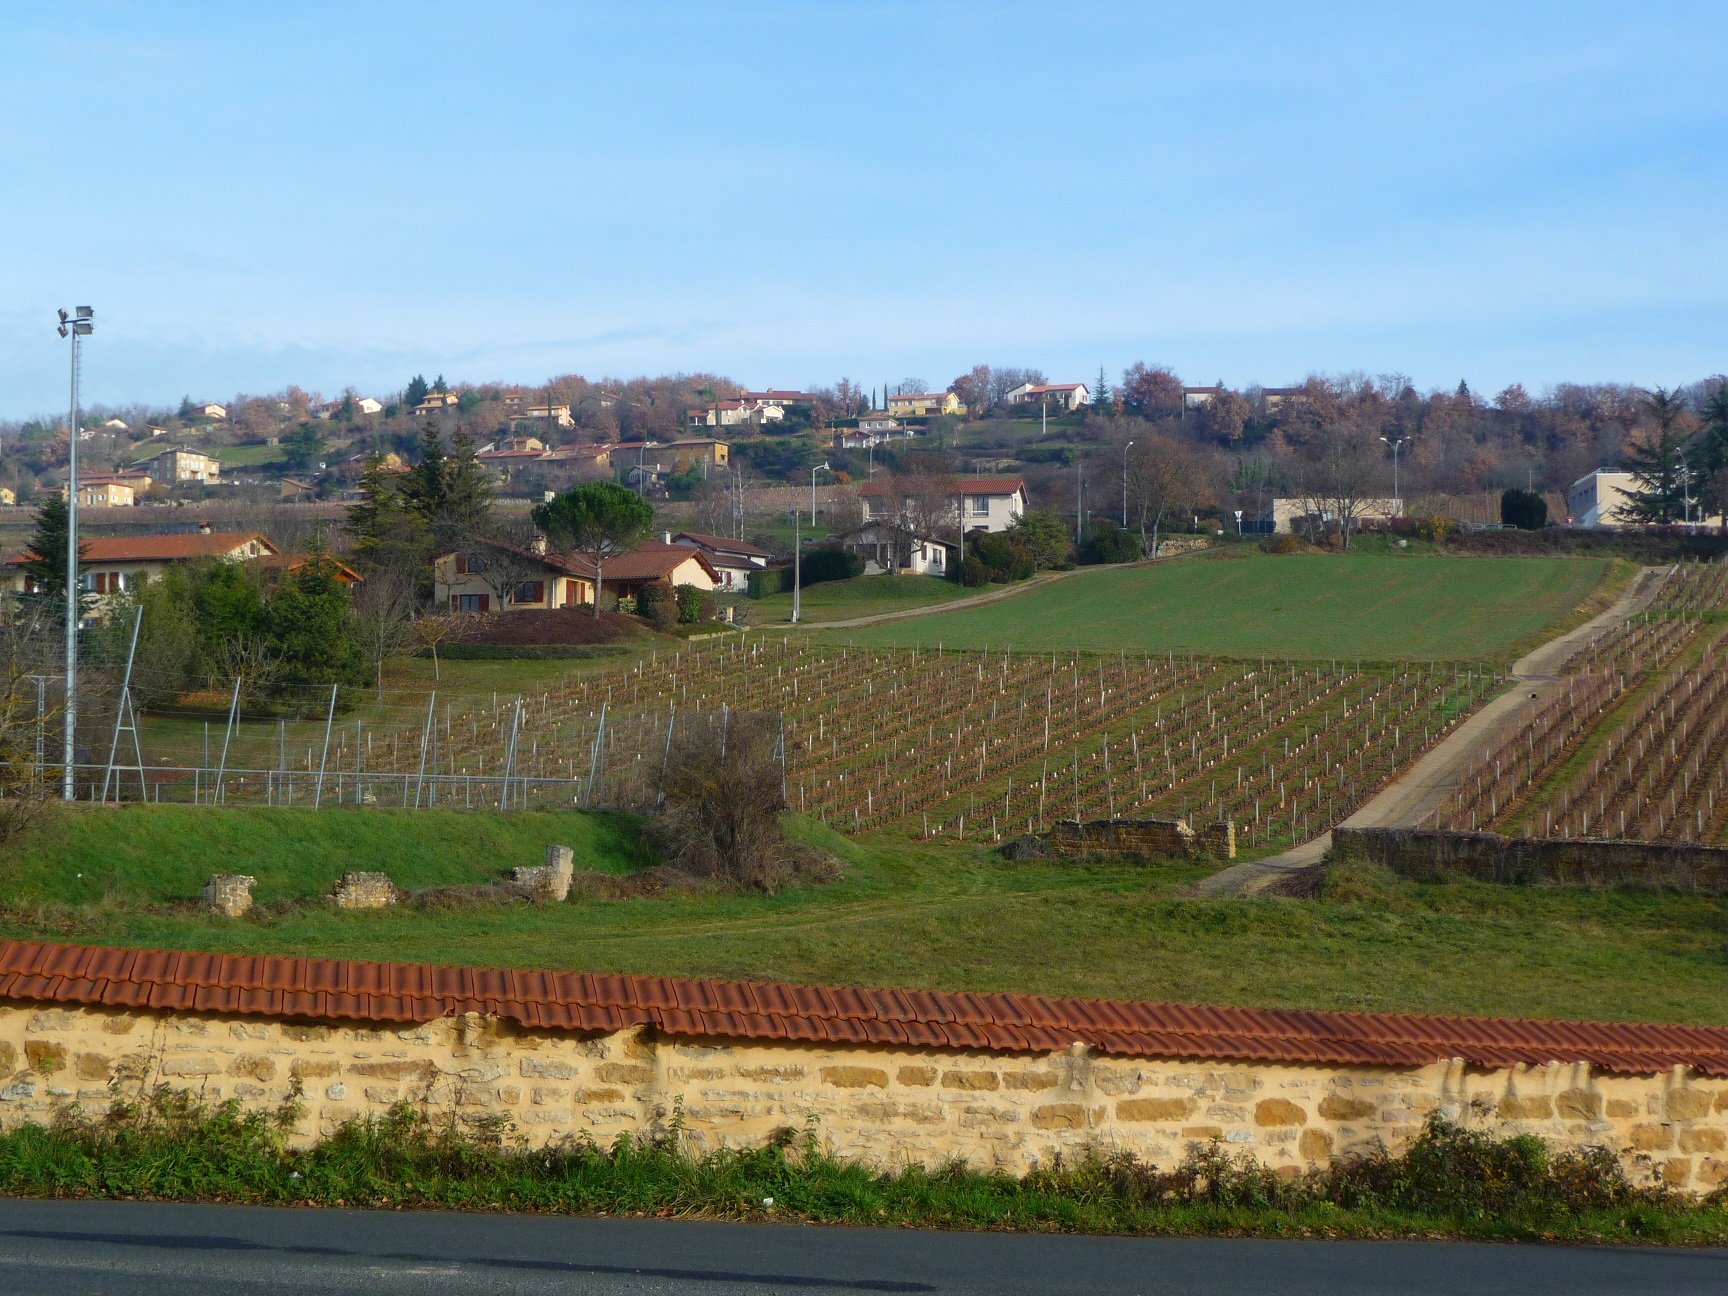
1155, 837
1431, 855
887, 1106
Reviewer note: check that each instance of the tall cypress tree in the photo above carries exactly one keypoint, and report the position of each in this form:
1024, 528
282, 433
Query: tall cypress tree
47, 566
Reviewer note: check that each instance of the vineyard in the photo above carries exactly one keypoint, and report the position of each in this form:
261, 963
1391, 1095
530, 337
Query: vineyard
933, 744
1631, 743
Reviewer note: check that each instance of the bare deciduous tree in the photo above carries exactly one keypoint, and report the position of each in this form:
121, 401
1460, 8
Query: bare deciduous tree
1340, 471
383, 611
1164, 480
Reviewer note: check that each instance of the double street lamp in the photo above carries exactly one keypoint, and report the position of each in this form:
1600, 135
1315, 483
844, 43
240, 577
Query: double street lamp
1395, 443
79, 324
798, 546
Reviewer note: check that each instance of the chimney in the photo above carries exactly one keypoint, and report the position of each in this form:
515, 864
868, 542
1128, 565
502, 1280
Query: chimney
203, 526
666, 537
538, 543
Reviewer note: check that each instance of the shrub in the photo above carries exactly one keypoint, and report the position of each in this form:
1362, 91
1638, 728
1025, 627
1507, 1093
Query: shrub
720, 801
659, 606
1523, 509
1110, 543
830, 563
1436, 530
1004, 556
973, 572
1282, 544
690, 604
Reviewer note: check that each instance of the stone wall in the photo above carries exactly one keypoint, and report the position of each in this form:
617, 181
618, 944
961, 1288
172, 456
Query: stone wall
1431, 855
886, 1106
1158, 838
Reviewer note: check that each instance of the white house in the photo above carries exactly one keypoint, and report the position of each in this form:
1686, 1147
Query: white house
981, 503
732, 559
1597, 498
1068, 396
210, 410
891, 548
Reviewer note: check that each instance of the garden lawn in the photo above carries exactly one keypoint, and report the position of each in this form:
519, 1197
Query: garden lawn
905, 914
1304, 605
251, 456
861, 596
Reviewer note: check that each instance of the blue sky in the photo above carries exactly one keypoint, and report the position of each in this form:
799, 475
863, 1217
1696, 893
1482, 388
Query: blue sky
254, 195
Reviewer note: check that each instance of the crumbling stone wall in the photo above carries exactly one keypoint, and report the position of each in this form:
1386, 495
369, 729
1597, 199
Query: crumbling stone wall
1148, 837
886, 1106
365, 891
1432, 855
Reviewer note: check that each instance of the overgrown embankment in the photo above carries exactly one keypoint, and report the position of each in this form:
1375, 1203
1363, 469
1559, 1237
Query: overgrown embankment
1450, 1183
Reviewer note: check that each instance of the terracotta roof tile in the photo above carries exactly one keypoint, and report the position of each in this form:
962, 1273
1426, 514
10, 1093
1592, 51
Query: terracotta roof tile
406, 992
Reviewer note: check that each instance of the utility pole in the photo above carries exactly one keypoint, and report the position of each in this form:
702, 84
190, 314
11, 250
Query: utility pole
797, 566
79, 325
1125, 450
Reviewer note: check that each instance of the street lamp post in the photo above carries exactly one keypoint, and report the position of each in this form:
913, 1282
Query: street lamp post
798, 548
1395, 443
79, 325
1686, 485
1125, 450
797, 566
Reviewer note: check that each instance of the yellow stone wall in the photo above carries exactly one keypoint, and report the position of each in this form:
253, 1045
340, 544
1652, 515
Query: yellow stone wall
885, 1106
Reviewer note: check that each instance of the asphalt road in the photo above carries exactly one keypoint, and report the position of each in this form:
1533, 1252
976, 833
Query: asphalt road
91, 1248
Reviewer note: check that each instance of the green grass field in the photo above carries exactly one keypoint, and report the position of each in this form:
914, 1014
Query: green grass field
1304, 605
251, 456
861, 596
905, 914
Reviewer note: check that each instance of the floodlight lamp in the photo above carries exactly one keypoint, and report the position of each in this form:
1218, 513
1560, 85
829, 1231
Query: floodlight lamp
83, 328
63, 315
61, 330
86, 312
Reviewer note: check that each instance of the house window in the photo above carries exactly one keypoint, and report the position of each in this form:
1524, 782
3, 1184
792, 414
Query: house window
978, 506
475, 562
531, 592
470, 603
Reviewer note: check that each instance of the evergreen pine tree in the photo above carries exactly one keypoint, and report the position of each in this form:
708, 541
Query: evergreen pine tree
468, 492
416, 392
1101, 397
1654, 463
427, 480
47, 566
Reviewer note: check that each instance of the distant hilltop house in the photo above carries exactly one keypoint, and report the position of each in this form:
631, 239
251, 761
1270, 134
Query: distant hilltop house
489, 576
155, 431
1196, 397
1068, 396
556, 415
8, 497
925, 404
777, 399
362, 405
1296, 515
178, 464
873, 430
436, 401
731, 413
115, 425
982, 503
210, 410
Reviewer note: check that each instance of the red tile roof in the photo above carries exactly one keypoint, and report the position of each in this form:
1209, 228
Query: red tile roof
958, 485
161, 548
407, 992
720, 544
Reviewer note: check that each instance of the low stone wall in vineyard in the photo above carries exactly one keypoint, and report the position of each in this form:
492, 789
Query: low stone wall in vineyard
1154, 837
1433, 855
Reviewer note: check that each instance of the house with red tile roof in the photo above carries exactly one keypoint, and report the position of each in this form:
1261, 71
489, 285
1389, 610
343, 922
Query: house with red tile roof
1068, 396
114, 564
732, 559
489, 576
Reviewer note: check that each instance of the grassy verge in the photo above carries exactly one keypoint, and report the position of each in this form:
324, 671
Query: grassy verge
858, 597
1450, 1183
905, 913
1342, 606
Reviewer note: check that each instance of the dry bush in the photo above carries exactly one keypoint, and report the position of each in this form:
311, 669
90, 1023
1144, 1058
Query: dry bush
721, 798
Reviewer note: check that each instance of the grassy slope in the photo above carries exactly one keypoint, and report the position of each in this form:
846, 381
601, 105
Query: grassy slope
251, 456
1303, 606
905, 914
861, 596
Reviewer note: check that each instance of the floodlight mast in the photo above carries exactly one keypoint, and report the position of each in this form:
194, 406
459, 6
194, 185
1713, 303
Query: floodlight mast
79, 325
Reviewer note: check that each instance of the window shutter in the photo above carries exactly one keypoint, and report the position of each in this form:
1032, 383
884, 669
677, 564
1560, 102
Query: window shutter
461, 564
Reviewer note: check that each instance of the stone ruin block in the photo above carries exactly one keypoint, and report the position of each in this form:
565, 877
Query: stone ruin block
549, 882
365, 891
229, 894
